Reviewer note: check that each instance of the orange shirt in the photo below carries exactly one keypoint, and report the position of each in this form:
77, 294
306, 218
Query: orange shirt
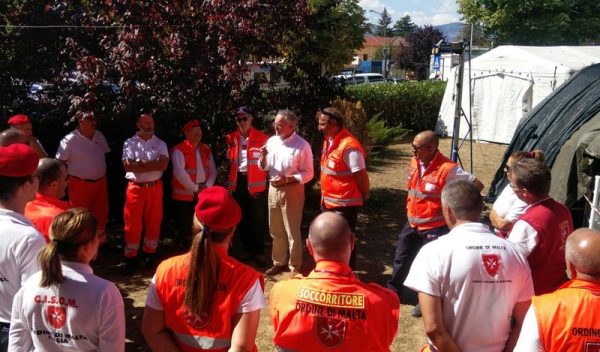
331, 308
42, 210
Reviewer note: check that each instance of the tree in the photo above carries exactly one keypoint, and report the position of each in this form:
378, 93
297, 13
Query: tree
479, 37
383, 28
404, 26
415, 54
558, 22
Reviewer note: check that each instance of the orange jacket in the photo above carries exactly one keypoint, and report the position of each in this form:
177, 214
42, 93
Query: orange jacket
338, 187
257, 179
42, 210
424, 201
331, 308
569, 318
189, 154
215, 329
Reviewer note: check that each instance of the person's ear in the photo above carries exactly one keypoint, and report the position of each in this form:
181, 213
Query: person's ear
352, 241
310, 248
571, 270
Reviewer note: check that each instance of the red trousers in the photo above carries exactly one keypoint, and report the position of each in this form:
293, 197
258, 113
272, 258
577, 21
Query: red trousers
143, 209
90, 195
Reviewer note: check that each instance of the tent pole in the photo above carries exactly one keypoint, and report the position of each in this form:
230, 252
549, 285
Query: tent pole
458, 105
593, 215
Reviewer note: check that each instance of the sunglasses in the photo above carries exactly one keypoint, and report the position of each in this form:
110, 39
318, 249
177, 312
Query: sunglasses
240, 119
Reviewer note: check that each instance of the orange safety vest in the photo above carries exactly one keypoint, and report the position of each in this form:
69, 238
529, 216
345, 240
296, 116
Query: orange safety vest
338, 187
213, 331
424, 201
257, 179
569, 318
189, 154
332, 309
42, 210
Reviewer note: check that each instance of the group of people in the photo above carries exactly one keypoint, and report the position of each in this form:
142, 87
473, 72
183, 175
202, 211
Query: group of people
478, 290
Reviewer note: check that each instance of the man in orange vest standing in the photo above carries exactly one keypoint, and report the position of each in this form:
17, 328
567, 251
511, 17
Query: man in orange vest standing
23, 123
428, 173
344, 177
248, 183
569, 318
331, 308
145, 158
47, 203
84, 151
193, 170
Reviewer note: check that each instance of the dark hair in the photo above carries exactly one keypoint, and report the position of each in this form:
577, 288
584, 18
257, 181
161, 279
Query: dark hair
49, 170
10, 185
69, 231
332, 114
201, 281
532, 175
464, 199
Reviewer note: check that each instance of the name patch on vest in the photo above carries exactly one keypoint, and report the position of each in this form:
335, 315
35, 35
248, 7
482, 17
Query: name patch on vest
586, 332
331, 299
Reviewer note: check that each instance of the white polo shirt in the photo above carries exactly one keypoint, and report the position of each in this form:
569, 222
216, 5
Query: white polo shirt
84, 313
85, 158
479, 278
508, 205
20, 244
138, 149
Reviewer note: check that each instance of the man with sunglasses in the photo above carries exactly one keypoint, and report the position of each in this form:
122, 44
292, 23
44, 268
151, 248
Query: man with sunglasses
344, 177
20, 242
542, 230
428, 173
248, 183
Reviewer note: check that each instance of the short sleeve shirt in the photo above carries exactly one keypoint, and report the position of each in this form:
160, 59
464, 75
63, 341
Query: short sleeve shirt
85, 157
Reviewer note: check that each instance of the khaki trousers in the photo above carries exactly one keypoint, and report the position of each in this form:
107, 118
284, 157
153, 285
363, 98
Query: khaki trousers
285, 216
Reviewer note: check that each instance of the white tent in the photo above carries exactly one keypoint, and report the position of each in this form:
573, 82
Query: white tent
508, 82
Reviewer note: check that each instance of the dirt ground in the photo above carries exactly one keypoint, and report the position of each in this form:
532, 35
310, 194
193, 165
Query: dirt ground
377, 230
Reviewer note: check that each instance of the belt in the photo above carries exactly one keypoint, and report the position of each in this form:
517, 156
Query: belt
145, 184
86, 179
242, 173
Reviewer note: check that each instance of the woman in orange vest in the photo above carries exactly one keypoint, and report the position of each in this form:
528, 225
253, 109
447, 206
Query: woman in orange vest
205, 300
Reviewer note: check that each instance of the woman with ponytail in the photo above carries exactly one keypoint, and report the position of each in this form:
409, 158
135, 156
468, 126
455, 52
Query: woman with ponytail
205, 300
65, 307
508, 207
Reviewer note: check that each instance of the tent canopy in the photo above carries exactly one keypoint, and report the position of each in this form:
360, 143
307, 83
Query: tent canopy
507, 83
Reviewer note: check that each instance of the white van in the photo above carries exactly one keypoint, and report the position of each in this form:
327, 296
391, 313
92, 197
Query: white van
362, 78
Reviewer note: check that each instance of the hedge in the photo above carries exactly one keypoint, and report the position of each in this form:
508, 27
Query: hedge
412, 105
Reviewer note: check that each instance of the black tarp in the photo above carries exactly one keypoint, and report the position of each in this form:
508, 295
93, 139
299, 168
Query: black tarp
553, 122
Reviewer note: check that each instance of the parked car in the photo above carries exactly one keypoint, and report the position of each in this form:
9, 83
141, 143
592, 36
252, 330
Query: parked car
362, 78
396, 80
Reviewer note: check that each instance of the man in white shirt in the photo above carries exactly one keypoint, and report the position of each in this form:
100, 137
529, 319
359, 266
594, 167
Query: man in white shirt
145, 158
84, 152
288, 159
472, 284
20, 242
22, 123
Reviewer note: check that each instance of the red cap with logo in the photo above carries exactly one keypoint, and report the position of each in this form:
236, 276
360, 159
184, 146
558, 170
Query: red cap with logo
18, 160
19, 119
217, 209
191, 124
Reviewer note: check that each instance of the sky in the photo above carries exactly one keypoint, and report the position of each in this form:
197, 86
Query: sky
422, 12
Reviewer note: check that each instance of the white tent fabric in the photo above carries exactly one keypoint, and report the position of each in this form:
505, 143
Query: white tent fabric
508, 82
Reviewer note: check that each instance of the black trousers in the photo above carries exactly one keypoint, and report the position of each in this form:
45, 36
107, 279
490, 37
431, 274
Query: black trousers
410, 241
252, 229
184, 213
4, 328
351, 216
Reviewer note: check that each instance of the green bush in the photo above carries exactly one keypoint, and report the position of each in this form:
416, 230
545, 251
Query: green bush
381, 135
412, 105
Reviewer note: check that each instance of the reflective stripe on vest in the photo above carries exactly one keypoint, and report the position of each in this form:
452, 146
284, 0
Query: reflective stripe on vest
423, 195
418, 221
343, 202
202, 342
328, 171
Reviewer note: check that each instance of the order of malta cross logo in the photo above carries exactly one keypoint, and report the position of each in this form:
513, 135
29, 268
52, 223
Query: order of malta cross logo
592, 347
197, 322
491, 263
57, 316
330, 332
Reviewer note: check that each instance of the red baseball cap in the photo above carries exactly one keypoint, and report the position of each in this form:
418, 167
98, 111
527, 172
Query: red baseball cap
19, 119
18, 160
217, 209
191, 124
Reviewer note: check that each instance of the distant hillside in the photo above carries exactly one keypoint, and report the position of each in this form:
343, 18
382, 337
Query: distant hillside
450, 30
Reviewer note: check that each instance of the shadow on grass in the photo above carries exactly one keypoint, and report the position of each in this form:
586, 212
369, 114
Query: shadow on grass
382, 158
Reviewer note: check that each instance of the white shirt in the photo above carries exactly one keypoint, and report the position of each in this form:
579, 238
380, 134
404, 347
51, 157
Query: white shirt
289, 157
479, 278
85, 158
137, 149
253, 300
524, 236
353, 158
184, 178
84, 313
508, 205
20, 244
243, 154
529, 338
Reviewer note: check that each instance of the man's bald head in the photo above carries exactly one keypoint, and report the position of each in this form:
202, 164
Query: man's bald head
330, 237
583, 252
12, 136
428, 138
